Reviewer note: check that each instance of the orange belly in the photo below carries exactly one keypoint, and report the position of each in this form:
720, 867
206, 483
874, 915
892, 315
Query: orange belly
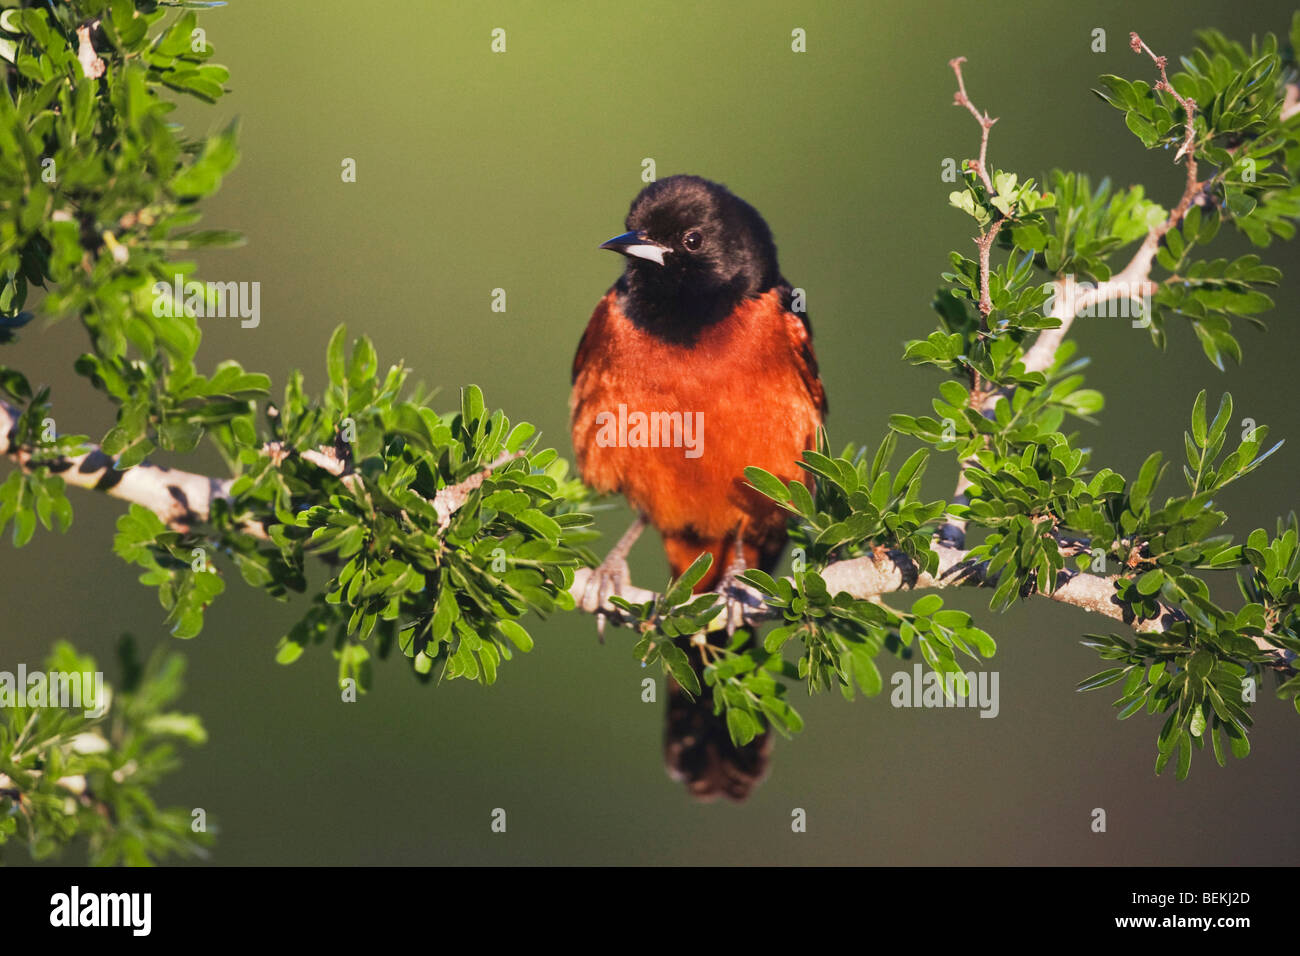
672, 426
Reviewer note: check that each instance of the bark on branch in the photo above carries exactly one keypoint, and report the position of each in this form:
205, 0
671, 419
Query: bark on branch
873, 576
183, 499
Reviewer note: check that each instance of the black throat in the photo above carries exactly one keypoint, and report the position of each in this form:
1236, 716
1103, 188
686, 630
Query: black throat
671, 312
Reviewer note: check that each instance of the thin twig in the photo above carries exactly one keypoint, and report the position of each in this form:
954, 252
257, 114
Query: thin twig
952, 533
450, 499
985, 245
1132, 282
1139, 267
986, 123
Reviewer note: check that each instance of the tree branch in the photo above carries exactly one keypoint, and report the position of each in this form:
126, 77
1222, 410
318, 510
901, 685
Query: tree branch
952, 533
985, 240
986, 122
450, 499
872, 576
1139, 267
183, 499
1131, 282
180, 498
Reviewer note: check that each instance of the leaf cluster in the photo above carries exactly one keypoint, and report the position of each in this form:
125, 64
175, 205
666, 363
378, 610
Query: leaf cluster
66, 776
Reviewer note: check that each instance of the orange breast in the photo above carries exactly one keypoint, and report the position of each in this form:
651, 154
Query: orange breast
672, 426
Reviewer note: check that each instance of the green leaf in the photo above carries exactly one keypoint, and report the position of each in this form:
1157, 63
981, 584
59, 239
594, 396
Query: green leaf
867, 674
1142, 129
1200, 664
334, 356
679, 665
767, 484
1101, 679
742, 726
1151, 581
1198, 419
927, 605
519, 637
1184, 755
692, 576
471, 404
288, 651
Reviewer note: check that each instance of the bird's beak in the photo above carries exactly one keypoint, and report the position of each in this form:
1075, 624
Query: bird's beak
636, 244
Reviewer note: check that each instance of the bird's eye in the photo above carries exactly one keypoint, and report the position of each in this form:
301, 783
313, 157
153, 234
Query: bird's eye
693, 240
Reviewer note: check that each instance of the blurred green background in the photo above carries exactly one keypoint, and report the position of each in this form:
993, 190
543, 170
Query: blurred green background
479, 170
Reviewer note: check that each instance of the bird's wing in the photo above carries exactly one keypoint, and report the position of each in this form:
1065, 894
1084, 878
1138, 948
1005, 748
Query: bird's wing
592, 335
799, 330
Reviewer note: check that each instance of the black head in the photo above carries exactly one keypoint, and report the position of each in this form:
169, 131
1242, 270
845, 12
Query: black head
694, 251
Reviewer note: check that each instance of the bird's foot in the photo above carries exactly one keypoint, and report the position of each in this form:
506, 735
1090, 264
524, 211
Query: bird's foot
609, 578
736, 593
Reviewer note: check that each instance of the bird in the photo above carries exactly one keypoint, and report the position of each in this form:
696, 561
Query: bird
696, 363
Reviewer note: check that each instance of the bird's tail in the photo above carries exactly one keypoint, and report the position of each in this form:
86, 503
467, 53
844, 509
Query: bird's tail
698, 750
699, 753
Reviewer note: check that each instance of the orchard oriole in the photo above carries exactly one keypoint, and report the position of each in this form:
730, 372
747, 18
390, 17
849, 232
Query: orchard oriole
692, 367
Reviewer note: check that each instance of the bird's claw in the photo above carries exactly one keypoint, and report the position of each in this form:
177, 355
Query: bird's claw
610, 577
734, 593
